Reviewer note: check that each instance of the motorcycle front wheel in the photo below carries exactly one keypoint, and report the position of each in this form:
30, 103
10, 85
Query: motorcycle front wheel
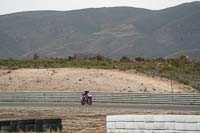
82, 103
90, 101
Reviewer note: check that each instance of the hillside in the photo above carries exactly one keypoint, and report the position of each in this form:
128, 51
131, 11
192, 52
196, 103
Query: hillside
112, 32
80, 79
179, 69
192, 54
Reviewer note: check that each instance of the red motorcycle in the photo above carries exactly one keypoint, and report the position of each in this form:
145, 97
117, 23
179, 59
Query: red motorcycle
86, 99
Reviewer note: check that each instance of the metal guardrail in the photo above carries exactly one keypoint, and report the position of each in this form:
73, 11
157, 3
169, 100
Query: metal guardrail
147, 98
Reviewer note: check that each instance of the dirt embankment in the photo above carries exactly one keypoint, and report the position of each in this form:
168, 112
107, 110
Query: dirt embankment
79, 79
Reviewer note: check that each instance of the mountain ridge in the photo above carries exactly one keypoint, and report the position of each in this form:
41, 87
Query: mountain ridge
112, 32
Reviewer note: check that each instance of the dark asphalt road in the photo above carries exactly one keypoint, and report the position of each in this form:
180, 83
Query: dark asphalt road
115, 106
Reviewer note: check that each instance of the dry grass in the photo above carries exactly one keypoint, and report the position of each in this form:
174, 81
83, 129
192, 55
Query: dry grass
78, 120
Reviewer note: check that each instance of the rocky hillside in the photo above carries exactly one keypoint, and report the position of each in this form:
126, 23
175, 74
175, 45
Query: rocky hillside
113, 32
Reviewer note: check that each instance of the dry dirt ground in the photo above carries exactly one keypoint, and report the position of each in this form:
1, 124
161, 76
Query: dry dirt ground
79, 79
77, 120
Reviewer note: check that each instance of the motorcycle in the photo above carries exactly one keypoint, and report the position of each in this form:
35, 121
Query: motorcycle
87, 99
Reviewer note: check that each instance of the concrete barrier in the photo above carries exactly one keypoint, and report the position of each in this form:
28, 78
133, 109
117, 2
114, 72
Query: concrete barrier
153, 124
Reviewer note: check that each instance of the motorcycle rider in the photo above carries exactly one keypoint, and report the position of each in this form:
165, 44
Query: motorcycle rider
85, 94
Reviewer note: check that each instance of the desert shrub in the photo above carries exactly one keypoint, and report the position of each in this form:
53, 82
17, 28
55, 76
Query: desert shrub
125, 59
139, 59
35, 56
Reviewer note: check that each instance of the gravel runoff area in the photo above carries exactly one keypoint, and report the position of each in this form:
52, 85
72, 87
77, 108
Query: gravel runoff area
78, 120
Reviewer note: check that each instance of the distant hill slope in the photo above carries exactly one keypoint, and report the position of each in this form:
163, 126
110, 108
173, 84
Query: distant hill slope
192, 54
113, 32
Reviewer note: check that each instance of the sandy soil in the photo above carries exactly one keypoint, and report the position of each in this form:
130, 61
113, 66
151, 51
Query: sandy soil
79, 79
78, 120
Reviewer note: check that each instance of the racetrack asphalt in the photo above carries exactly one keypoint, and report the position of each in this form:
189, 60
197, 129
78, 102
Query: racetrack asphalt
114, 106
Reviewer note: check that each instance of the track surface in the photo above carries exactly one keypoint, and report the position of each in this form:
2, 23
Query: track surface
114, 106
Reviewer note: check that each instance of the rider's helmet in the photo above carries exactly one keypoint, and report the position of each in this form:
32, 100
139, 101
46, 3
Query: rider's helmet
86, 92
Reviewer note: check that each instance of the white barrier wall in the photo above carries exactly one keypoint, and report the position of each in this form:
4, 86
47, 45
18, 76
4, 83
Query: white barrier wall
153, 124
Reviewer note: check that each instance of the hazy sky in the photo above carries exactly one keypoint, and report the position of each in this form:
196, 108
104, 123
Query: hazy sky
10, 6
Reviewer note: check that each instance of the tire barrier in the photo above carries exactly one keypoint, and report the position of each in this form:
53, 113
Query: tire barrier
153, 124
147, 98
31, 125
